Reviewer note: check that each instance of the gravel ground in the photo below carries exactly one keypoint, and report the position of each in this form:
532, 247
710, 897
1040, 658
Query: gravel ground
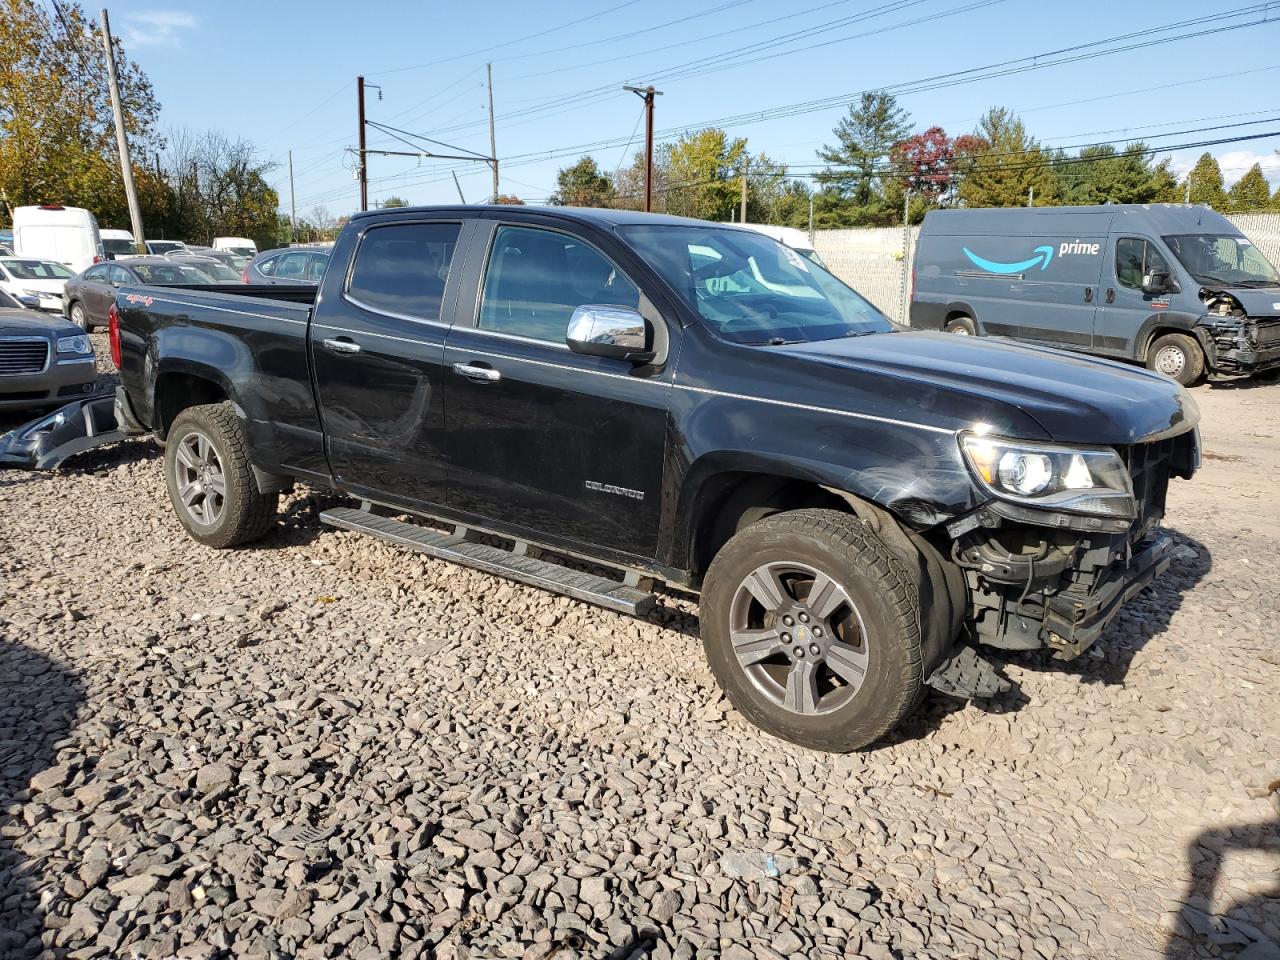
327, 747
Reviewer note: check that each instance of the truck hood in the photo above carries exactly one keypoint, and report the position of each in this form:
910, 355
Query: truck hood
29, 323
1074, 399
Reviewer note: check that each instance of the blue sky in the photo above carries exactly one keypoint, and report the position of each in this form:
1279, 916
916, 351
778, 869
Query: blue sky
281, 74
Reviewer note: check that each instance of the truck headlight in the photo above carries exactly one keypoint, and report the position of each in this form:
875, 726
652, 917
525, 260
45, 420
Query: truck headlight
78, 344
1074, 479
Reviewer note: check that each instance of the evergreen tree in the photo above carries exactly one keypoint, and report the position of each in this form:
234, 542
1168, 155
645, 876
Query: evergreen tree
1104, 175
1002, 165
1251, 193
864, 140
1206, 183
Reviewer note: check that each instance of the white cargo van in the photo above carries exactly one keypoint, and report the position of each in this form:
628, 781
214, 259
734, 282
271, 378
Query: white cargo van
240, 246
68, 235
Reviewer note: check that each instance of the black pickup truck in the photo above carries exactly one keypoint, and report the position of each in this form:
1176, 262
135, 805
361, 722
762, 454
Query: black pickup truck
682, 402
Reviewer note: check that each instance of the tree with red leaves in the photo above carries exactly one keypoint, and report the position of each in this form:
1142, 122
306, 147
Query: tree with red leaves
925, 161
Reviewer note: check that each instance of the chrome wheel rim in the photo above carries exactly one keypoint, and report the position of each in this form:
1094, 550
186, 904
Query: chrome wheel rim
202, 485
799, 638
1170, 361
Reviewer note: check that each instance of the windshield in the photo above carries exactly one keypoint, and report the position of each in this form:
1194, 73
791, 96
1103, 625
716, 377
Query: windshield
751, 289
37, 270
1223, 259
164, 246
168, 273
117, 247
242, 251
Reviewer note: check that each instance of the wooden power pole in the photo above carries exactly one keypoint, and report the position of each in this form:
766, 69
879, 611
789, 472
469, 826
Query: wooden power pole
742, 215
126, 167
647, 93
493, 148
293, 206
362, 160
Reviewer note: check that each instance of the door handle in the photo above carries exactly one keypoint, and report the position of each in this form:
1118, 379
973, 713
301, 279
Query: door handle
341, 346
477, 374
1111, 294
1088, 294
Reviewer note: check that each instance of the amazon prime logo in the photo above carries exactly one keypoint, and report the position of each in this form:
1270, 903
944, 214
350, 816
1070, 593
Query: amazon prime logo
599, 487
1043, 256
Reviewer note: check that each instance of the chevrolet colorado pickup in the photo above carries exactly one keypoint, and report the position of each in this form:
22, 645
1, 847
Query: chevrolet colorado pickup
858, 505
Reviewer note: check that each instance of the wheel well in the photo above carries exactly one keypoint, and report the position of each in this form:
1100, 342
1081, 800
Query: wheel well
1159, 332
735, 500
177, 391
956, 315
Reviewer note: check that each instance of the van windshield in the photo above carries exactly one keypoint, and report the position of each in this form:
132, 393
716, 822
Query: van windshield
751, 289
1223, 259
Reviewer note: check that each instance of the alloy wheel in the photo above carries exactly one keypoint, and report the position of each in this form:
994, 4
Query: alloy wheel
202, 485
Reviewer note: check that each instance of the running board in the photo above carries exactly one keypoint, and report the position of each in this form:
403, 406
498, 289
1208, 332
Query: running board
587, 587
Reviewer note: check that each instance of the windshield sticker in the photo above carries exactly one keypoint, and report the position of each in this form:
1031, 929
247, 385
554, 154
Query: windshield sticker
795, 259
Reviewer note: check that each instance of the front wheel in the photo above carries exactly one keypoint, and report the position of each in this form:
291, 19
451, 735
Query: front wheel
1177, 356
812, 629
210, 479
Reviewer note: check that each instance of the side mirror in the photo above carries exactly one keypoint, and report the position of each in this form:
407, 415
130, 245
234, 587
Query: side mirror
600, 330
1157, 282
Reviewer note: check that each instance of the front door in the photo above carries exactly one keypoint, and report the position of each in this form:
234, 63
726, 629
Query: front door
568, 447
1125, 308
377, 347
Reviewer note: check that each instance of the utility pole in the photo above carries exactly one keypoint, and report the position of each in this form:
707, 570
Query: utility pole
361, 158
293, 206
126, 168
1031, 196
742, 214
647, 93
811, 218
493, 148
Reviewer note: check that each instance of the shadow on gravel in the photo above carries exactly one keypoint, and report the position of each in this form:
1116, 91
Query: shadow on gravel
1234, 933
1243, 383
39, 699
112, 455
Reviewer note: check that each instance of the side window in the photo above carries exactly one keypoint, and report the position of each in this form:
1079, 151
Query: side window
292, 266
315, 268
97, 274
118, 275
1135, 258
403, 268
537, 278
268, 266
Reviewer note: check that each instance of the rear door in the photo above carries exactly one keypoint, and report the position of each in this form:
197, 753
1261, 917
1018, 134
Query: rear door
568, 447
1125, 308
377, 345
96, 291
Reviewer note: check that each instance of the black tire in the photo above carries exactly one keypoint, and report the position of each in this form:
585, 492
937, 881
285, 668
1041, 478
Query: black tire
80, 316
240, 514
964, 326
1178, 356
885, 610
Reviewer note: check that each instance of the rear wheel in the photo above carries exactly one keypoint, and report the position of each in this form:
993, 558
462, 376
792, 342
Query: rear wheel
963, 326
210, 479
812, 629
1178, 356
80, 317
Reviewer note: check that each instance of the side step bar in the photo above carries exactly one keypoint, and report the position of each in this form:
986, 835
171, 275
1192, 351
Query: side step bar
587, 587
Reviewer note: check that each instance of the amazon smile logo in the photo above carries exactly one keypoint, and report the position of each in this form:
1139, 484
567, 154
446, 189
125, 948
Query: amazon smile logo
1043, 255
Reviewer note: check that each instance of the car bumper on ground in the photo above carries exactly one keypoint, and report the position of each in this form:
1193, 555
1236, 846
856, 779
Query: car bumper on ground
1075, 622
60, 382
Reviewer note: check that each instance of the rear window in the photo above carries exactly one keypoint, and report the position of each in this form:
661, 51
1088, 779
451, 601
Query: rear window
403, 268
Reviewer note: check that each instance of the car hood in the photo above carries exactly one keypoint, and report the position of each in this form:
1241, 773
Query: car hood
1074, 399
28, 323
46, 286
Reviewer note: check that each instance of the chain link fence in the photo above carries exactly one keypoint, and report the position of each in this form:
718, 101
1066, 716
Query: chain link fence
872, 260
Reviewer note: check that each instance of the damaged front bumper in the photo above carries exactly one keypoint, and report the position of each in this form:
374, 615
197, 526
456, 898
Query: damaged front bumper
1252, 347
44, 443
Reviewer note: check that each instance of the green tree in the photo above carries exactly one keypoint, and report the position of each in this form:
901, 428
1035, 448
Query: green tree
701, 173
582, 185
1251, 193
864, 140
393, 202
1206, 183
1102, 174
1001, 165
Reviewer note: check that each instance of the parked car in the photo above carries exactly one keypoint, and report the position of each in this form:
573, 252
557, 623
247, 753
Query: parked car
852, 500
88, 297
289, 265
215, 270
158, 248
240, 246
68, 235
117, 243
41, 279
44, 360
797, 240
1175, 287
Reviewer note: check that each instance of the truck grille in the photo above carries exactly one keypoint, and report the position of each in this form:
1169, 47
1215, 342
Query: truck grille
21, 357
1268, 333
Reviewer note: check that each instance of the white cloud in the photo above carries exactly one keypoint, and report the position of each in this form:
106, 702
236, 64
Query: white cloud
157, 28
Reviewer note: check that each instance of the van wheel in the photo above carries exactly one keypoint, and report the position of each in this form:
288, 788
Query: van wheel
963, 326
80, 317
812, 630
1178, 356
210, 479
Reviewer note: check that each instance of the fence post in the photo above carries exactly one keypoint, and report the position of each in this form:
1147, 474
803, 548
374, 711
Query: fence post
904, 311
